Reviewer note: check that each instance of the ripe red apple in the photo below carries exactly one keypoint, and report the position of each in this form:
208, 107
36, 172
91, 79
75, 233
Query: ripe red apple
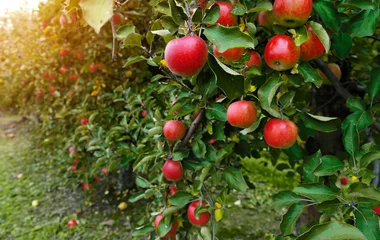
44, 24
117, 18
144, 113
46, 75
344, 180
226, 17
281, 53
265, 19
174, 130
51, 77
51, 88
172, 231
212, 141
254, 60
280, 133
97, 179
313, 47
202, 4
64, 69
172, 170
172, 190
335, 69
376, 210
71, 149
73, 168
230, 55
241, 114
64, 52
93, 67
74, 77
292, 13
64, 22
100, 66
84, 121
72, 223
186, 56
202, 218
80, 55
87, 186
105, 171
76, 162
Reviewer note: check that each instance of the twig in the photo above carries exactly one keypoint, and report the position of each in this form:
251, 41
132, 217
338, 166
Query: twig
326, 103
193, 127
376, 169
212, 215
189, 22
113, 40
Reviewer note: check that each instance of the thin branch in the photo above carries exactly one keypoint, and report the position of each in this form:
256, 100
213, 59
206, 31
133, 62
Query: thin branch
326, 103
193, 127
113, 40
212, 215
189, 22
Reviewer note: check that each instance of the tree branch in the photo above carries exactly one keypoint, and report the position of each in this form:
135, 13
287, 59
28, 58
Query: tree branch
189, 22
212, 215
113, 40
193, 127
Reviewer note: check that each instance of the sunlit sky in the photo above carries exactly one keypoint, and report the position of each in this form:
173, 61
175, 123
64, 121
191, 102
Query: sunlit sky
14, 5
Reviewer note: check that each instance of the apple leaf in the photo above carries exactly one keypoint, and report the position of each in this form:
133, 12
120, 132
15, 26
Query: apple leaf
228, 37
374, 84
320, 123
234, 179
253, 127
290, 218
332, 231
267, 92
328, 13
177, 13
238, 9
329, 166
142, 231
180, 199
262, 5
361, 4
364, 23
96, 12
300, 35
367, 222
341, 44
311, 164
199, 149
285, 199
316, 192
321, 33
310, 74
367, 158
212, 14
361, 119
162, 228
363, 191
217, 111
351, 139
134, 59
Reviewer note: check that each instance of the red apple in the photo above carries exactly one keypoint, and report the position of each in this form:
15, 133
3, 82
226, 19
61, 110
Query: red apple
64, 22
200, 220
71, 149
84, 121
144, 113
376, 210
51, 77
335, 69
212, 141
100, 66
281, 53
174, 130
254, 60
265, 19
172, 231
64, 52
46, 75
292, 13
76, 162
172, 190
230, 55
241, 114
313, 47
226, 17
117, 18
186, 56
51, 88
73, 168
44, 24
93, 67
344, 180
172, 170
202, 4
97, 179
64, 69
80, 55
87, 186
74, 77
72, 223
105, 171
280, 133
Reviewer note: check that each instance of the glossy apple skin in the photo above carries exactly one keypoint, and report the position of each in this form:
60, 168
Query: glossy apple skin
377, 210
73, 168
174, 130
172, 170
172, 190
186, 56
335, 69
254, 60
226, 17
280, 133
202, 219
63, 21
84, 121
86, 186
230, 55
265, 19
202, 4
172, 231
312, 48
242, 114
281, 53
117, 18
64, 52
72, 223
344, 180
64, 69
292, 13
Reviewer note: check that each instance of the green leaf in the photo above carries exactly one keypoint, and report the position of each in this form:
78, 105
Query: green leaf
133, 40
360, 190
206, 233
238, 9
136, 197
351, 139
290, 218
212, 14
364, 24
142, 231
177, 13
180, 199
266, 93
162, 228
217, 111
367, 222
341, 44
180, 154
262, 5
316, 192
328, 13
234, 179
228, 37
285, 199
374, 84
329, 166
310, 74
320, 31
253, 127
320, 123
368, 158
355, 104
362, 119
142, 182
124, 31
232, 85
301, 35
134, 59
97, 12
361, 4
287, 99
199, 149
332, 231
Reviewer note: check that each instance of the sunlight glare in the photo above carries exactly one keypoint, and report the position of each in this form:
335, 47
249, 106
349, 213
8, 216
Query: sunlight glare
15, 5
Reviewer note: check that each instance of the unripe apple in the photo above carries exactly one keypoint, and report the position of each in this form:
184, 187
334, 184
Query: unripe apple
122, 206
172, 170
186, 56
64, 52
93, 67
172, 190
174, 130
71, 223
230, 55
344, 180
265, 19
87, 186
226, 17
281, 53
200, 220
241, 114
172, 231
64, 22
35, 203
335, 69
254, 60
313, 47
64, 69
292, 13
280, 133
117, 18
376, 210
84, 121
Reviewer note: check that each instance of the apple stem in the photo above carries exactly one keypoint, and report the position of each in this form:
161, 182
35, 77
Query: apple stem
113, 40
189, 22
